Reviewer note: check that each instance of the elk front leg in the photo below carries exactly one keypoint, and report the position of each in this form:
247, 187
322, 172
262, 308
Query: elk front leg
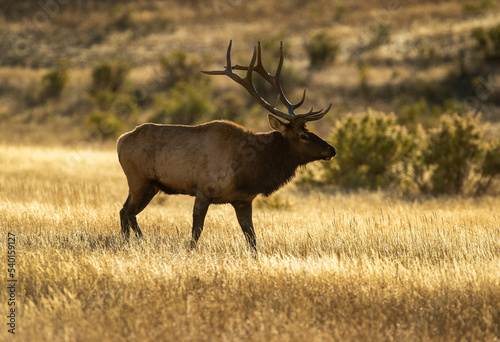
244, 215
201, 204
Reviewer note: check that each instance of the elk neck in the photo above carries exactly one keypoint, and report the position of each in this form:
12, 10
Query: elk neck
267, 163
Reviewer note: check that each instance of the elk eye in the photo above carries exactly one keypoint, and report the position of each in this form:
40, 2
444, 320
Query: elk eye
304, 137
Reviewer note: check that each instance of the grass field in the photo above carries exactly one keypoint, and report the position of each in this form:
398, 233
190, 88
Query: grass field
332, 266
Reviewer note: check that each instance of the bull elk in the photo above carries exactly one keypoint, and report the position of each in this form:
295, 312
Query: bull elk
220, 161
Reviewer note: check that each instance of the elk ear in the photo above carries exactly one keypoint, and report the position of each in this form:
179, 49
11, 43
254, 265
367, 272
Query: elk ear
277, 124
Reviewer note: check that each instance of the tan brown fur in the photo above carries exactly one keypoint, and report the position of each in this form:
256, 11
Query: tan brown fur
217, 162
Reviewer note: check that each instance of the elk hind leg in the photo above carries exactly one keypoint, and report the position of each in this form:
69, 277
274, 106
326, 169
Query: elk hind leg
125, 224
138, 199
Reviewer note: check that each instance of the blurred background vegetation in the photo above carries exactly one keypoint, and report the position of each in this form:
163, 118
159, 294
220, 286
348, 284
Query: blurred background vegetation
414, 85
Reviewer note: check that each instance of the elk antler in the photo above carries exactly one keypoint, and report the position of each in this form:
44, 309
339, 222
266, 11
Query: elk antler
275, 82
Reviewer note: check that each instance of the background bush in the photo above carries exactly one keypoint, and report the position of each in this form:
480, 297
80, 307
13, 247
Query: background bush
114, 107
490, 168
109, 76
185, 103
380, 34
455, 149
322, 49
477, 7
488, 41
374, 152
178, 66
101, 125
53, 82
121, 18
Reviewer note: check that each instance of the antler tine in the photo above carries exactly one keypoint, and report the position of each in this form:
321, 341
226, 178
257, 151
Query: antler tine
228, 69
277, 75
250, 68
259, 68
277, 85
228, 56
314, 115
274, 81
298, 104
259, 58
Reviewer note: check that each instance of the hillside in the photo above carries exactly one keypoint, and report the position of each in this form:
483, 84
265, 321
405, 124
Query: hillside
418, 60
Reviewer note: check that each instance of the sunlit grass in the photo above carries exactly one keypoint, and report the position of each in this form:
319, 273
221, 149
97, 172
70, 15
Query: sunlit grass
331, 266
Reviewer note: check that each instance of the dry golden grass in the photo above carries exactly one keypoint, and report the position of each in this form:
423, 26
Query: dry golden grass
364, 266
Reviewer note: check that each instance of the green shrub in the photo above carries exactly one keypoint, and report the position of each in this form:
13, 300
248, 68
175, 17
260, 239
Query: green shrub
103, 99
455, 147
363, 76
477, 7
340, 11
491, 162
103, 125
412, 114
229, 106
322, 49
53, 82
488, 41
374, 151
121, 18
381, 34
429, 54
482, 39
125, 107
178, 66
109, 76
184, 103
270, 45
490, 167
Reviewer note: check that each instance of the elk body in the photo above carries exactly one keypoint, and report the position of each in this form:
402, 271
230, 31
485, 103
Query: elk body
219, 161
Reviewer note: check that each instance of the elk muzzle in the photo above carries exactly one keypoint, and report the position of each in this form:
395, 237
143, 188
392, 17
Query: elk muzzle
329, 153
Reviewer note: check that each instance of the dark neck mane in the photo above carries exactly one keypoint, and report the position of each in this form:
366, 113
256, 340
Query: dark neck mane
269, 165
